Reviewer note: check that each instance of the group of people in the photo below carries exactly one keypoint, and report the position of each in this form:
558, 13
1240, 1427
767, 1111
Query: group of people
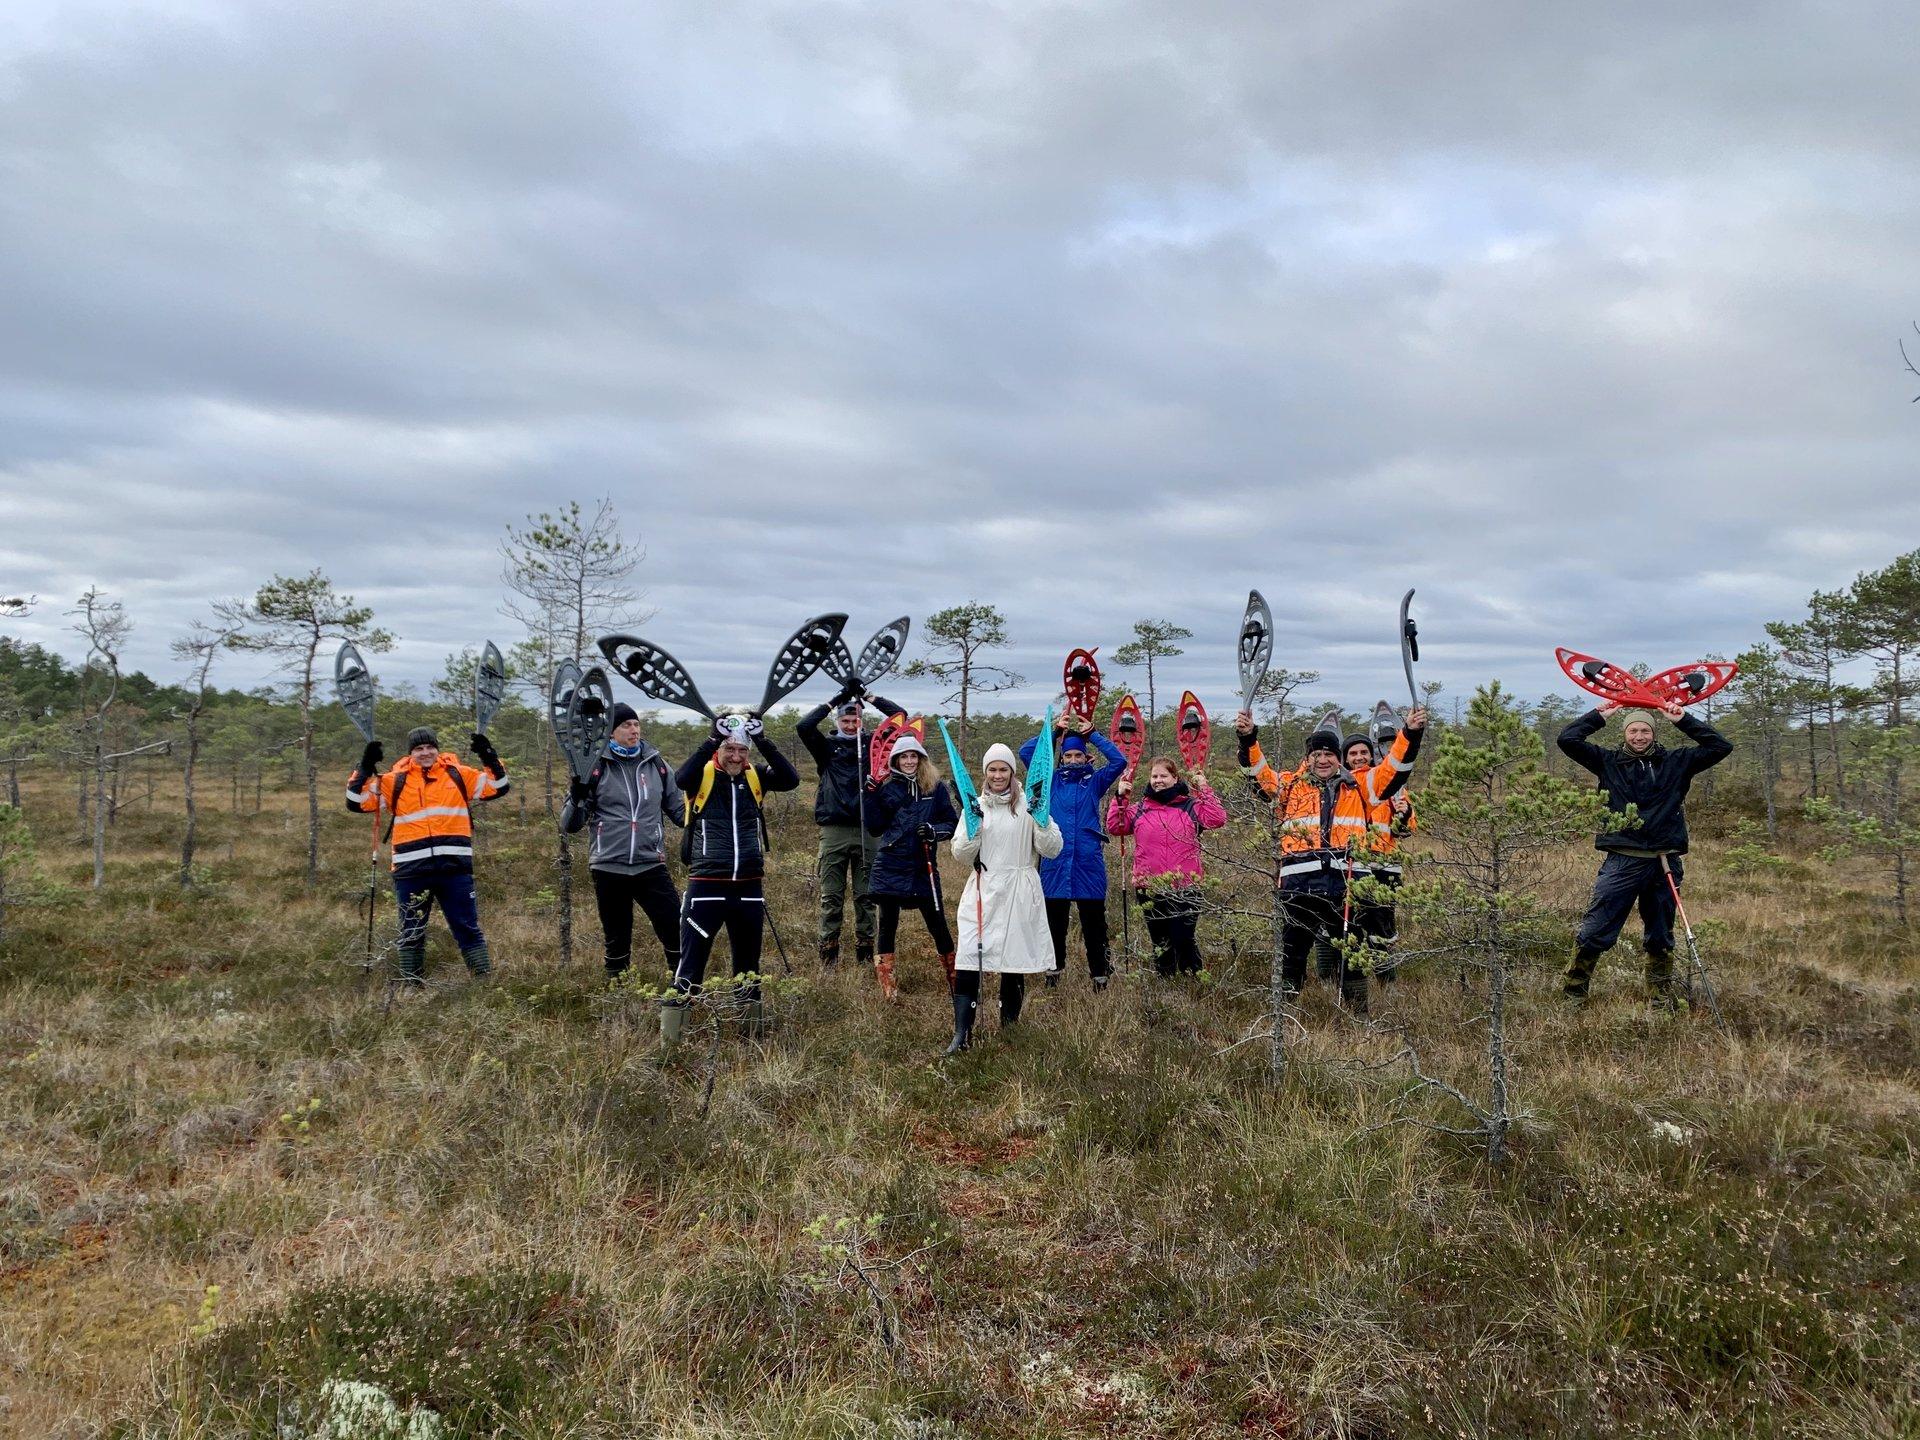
1339, 814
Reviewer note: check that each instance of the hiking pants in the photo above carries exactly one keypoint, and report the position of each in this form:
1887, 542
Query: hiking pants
890, 906
458, 902
1093, 933
1172, 916
846, 858
1307, 916
739, 906
1623, 882
652, 890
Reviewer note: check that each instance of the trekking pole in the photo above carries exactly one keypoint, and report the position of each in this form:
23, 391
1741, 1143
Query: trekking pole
373, 868
1693, 948
767, 911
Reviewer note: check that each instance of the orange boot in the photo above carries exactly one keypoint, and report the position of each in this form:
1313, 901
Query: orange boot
883, 967
946, 964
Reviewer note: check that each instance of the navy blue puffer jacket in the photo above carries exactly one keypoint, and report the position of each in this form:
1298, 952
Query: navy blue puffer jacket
895, 812
1079, 871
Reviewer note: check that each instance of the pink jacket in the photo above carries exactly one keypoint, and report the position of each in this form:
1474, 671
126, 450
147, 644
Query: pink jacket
1166, 837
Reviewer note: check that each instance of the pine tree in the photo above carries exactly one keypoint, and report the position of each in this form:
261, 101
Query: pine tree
1491, 817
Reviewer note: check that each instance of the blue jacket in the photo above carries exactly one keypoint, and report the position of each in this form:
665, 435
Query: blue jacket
1079, 871
895, 812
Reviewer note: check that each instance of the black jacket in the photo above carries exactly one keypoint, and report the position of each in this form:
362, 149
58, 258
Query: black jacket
895, 812
842, 762
1654, 782
724, 836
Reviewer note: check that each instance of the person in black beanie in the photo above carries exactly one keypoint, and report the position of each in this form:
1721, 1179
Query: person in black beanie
846, 849
624, 805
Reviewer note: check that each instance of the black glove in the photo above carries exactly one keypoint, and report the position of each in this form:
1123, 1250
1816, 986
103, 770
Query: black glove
371, 757
488, 756
846, 693
579, 791
927, 833
756, 727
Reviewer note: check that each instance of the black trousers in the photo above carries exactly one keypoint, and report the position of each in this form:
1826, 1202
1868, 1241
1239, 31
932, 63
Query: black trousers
739, 907
1625, 881
1172, 917
1307, 916
888, 907
652, 890
1093, 933
1013, 992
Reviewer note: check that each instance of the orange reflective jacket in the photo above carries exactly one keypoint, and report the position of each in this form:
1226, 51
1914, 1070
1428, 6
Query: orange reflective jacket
432, 809
1322, 826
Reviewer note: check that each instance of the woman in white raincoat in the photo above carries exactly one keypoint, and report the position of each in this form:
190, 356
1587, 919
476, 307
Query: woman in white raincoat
1003, 914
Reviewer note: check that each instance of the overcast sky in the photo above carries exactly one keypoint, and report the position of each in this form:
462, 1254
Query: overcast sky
1580, 319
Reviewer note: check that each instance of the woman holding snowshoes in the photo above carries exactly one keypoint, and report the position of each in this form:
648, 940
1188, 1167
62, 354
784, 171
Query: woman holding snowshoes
911, 813
1003, 911
1166, 824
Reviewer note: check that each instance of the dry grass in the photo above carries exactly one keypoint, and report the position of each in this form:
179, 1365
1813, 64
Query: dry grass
1105, 1224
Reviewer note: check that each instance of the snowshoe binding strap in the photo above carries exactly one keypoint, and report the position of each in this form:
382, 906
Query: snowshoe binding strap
1128, 733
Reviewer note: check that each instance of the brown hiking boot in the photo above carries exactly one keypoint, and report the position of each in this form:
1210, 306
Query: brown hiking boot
883, 967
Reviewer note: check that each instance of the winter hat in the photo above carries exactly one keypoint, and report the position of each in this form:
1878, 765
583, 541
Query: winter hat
850, 707
906, 745
1073, 743
1327, 740
1353, 740
623, 712
1002, 753
421, 735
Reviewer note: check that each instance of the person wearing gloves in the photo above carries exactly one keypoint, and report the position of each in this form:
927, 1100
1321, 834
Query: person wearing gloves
1166, 824
912, 813
1003, 910
624, 805
725, 850
1388, 823
1654, 780
1324, 814
846, 849
431, 796
1077, 876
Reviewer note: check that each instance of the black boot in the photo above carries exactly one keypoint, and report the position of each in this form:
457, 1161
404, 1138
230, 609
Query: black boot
1579, 974
964, 1007
829, 953
863, 953
1013, 995
479, 962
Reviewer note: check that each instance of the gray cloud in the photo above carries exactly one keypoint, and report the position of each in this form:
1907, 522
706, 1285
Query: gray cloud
1581, 322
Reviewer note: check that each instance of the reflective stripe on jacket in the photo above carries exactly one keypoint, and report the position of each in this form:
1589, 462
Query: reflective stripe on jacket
432, 809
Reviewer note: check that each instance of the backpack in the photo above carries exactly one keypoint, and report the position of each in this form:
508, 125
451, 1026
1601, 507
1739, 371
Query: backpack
698, 802
400, 785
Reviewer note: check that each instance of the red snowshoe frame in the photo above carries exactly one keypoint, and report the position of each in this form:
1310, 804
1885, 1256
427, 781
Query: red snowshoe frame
1684, 684
885, 736
1196, 732
1128, 733
1080, 678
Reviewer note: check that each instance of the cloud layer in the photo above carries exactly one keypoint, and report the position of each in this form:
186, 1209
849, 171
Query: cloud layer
1583, 323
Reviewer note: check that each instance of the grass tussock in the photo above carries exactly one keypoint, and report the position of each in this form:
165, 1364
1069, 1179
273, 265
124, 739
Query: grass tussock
502, 1205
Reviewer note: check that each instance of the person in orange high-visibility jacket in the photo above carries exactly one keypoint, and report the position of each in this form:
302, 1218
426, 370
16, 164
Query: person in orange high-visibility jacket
1325, 815
1387, 822
431, 796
